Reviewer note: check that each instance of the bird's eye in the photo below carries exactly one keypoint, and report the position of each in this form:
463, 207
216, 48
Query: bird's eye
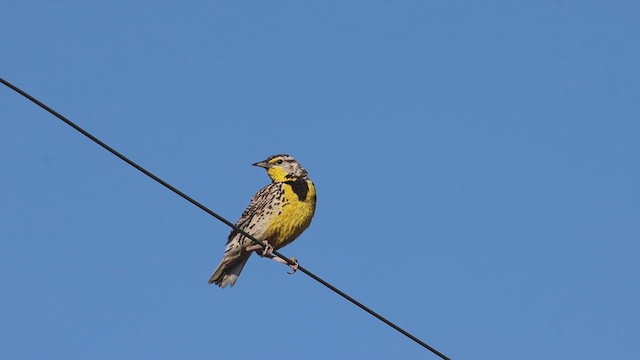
279, 162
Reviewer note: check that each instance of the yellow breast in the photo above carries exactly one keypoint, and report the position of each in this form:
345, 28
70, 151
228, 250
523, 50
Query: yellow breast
293, 217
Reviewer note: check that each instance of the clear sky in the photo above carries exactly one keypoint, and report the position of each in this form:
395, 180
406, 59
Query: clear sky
476, 164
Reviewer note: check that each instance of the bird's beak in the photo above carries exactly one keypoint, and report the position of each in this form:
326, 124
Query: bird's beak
262, 164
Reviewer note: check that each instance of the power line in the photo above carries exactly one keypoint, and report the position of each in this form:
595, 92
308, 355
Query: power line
225, 221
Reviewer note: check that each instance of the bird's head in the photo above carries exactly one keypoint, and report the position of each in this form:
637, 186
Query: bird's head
282, 168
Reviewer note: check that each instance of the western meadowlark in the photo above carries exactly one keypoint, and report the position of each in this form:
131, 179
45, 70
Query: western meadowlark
277, 215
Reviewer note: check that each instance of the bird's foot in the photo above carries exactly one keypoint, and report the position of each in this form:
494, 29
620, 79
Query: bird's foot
293, 265
267, 249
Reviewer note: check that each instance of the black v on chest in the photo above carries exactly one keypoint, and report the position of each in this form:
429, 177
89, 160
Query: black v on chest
299, 187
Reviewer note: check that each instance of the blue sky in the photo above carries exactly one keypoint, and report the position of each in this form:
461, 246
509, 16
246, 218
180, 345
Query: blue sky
476, 165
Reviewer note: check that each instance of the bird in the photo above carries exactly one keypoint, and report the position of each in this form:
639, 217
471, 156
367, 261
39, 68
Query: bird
277, 214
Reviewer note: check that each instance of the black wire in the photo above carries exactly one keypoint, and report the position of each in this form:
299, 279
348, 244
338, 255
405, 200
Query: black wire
225, 221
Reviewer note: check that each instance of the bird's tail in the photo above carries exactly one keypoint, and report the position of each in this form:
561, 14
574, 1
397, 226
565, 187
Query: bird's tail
228, 271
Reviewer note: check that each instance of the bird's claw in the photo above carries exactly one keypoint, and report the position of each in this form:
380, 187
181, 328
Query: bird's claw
267, 250
294, 266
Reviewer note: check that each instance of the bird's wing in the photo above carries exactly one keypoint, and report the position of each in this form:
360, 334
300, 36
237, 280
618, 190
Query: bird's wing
259, 201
